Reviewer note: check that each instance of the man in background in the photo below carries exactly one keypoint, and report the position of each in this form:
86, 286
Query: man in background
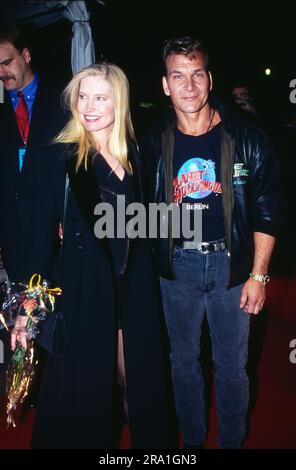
30, 117
243, 99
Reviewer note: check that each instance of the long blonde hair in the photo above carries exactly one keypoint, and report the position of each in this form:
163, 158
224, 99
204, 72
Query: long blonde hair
74, 131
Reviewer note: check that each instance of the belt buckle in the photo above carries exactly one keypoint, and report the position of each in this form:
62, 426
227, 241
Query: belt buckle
206, 246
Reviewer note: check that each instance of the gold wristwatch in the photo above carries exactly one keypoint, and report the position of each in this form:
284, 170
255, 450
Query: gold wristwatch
263, 278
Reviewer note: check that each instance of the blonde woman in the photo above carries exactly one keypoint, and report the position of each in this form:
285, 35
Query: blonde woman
116, 341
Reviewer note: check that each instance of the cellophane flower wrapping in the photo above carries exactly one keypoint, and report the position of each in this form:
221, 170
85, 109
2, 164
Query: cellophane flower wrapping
34, 302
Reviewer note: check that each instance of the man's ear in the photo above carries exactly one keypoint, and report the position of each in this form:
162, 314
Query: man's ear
26, 55
211, 80
165, 86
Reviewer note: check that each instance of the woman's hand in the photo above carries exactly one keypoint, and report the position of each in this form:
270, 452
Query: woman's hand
19, 332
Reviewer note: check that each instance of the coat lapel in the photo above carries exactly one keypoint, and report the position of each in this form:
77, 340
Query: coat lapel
9, 114
86, 192
35, 139
84, 187
133, 156
10, 137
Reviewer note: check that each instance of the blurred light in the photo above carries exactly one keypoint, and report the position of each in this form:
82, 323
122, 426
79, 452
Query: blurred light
267, 72
144, 104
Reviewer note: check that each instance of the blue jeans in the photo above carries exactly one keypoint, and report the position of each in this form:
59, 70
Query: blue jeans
201, 288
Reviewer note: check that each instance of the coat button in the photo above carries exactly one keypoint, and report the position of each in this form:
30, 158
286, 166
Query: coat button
77, 234
80, 247
17, 195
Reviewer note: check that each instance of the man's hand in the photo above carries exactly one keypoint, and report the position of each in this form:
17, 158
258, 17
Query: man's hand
253, 296
253, 293
61, 233
19, 332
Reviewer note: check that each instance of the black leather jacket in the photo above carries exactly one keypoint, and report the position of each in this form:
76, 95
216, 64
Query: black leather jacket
251, 195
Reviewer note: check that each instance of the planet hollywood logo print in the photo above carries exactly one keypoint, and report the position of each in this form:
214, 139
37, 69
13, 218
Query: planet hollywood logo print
196, 179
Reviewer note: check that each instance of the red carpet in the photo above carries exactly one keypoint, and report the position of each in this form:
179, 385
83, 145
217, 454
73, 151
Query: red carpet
272, 424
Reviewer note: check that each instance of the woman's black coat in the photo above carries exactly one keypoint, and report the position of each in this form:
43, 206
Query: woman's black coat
79, 395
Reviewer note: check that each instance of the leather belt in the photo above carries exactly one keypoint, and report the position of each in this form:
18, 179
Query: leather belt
203, 247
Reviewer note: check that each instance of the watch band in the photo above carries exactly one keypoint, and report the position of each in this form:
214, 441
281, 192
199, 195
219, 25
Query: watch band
263, 278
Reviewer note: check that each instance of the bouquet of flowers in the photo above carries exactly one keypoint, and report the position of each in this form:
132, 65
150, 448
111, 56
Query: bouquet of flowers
24, 306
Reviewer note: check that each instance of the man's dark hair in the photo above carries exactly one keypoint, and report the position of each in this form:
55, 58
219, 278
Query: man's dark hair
186, 46
240, 84
15, 36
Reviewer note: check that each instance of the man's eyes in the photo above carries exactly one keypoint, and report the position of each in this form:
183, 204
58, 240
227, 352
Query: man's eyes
198, 75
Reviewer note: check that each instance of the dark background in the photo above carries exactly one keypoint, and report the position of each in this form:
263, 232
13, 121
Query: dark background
242, 42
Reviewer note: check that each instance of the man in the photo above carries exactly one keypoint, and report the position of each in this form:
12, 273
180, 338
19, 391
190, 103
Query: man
243, 102
243, 99
223, 166
30, 117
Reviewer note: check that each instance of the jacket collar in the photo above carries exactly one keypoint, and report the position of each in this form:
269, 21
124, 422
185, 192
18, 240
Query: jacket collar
230, 118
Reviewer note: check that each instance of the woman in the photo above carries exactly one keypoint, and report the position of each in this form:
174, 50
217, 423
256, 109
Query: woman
111, 297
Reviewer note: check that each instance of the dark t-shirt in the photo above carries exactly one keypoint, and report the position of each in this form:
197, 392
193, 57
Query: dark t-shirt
196, 182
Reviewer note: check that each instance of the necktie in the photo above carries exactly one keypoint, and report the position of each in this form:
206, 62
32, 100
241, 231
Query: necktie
22, 117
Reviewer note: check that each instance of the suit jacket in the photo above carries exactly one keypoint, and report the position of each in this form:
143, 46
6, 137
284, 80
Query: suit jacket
48, 118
